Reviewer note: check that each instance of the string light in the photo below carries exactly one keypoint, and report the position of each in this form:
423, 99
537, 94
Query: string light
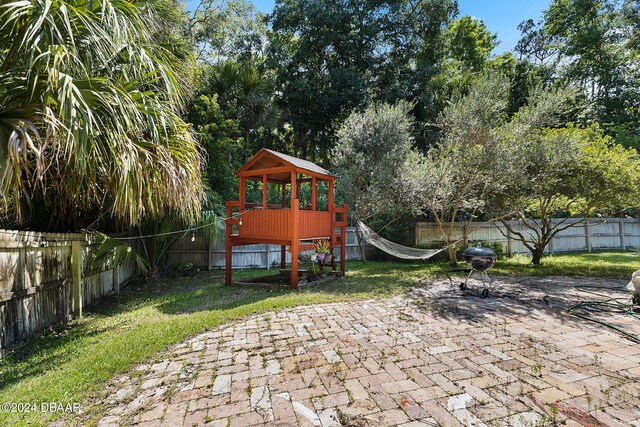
193, 237
185, 231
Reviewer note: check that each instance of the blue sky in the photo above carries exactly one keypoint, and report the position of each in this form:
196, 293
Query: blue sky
500, 16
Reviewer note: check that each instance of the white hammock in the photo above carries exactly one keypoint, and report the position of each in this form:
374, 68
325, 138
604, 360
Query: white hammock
394, 249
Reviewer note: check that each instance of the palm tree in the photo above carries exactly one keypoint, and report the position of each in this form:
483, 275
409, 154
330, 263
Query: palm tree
240, 87
90, 101
150, 247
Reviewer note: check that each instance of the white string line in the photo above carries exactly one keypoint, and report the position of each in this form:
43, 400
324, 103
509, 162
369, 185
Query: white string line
187, 230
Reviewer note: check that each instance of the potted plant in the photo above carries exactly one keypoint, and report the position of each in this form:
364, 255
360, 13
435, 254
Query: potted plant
322, 249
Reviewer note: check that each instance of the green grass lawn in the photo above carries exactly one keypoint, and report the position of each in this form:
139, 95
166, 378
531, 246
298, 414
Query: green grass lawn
596, 264
72, 363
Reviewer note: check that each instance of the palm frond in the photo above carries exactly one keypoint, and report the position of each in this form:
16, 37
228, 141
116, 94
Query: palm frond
118, 252
91, 100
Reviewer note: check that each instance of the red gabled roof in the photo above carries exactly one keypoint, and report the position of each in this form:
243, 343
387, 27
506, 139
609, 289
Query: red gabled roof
266, 159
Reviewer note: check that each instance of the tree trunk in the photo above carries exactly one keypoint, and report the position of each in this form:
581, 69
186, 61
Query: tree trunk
361, 247
153, 273
452, 251
537, 254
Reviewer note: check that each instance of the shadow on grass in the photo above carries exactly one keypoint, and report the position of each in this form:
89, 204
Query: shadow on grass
372, 279
44, 352
114, 313
197, 301
594, 264
187, 305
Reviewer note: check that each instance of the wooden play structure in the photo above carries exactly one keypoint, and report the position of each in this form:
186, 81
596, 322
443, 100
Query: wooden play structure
285, 223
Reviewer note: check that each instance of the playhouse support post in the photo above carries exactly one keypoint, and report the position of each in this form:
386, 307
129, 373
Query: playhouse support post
314, 193
294, 265
332, 213
293, 230
283, 248
343, 242
242, 191
295, 244
265, 185
227, 264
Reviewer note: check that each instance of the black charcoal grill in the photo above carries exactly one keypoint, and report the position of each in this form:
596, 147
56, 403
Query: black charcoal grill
479, 259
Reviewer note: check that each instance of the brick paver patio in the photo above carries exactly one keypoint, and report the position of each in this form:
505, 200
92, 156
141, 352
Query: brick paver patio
435, 356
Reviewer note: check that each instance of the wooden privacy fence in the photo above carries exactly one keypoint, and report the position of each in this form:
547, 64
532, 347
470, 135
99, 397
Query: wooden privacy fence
210, 254
598, 233
46, 278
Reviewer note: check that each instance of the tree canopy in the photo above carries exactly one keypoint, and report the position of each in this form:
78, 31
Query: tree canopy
333, 57
467, 164
470, 42
149, 108
91, 96
566, 172
375, 161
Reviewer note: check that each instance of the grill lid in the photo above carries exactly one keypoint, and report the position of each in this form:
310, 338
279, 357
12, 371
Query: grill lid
480, 251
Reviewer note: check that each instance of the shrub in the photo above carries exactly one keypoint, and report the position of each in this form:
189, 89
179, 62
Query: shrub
188, 269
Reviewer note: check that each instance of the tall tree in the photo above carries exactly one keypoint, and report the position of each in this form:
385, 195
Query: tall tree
592, 45
414, 44
376, 162
535, 44
467, 165
234, 115
90, 101
415, 69
631, 17
470, 43
592, 42
332, 57
227, 30
627, 128
585, 37
321, 51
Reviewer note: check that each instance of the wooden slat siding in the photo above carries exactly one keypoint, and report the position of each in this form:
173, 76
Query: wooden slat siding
270, 224
314, 224
185, 245
36, 282
247, 256
603, 233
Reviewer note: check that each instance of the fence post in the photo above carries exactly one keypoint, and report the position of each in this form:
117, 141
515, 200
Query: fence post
210, 251
116, 279
267, 256
587, 235
509, 243
76, 272
623, 242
